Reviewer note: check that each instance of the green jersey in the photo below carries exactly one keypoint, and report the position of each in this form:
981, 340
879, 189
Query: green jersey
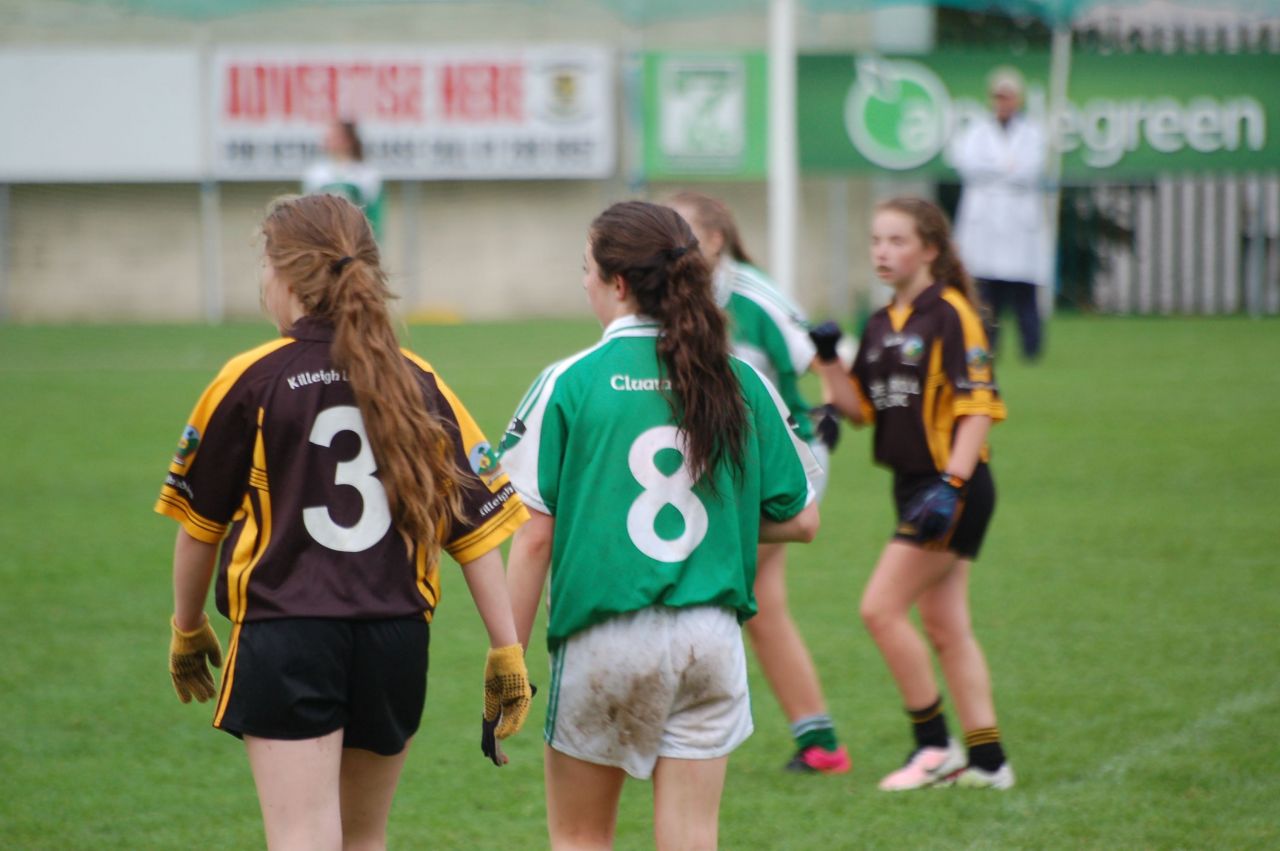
768, 332
593, 444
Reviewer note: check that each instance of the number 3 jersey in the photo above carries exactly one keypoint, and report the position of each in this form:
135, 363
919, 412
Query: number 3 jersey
593, 445
275, 464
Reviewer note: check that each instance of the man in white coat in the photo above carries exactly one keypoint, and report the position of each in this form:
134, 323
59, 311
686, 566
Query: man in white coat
1001, 229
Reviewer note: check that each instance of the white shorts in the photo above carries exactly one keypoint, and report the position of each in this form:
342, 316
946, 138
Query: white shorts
659, 682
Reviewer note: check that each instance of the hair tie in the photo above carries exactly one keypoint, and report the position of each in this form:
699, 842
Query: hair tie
341, 263
674, 254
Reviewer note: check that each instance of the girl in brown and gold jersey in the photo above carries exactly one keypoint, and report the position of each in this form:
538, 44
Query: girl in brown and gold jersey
923, 378
320, 475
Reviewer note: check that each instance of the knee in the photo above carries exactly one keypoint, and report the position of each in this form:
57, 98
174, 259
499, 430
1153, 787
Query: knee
944, 635
877, 617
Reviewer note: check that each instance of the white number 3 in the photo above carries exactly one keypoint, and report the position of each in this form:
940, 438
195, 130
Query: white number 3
660, 490
375, 516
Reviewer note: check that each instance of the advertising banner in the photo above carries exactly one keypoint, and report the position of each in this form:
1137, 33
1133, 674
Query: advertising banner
1129, 116
705, 115
423, 113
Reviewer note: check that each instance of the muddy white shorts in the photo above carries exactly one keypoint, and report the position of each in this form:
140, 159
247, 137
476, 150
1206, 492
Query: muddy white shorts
659, 682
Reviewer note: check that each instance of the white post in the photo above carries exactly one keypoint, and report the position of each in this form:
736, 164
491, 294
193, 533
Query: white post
211, 295
4, 252
783, 169
1059, 73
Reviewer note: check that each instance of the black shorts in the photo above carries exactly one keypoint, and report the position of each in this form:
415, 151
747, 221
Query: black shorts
979, 505
301, 678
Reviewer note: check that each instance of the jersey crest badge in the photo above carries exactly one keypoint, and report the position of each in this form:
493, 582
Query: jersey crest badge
912, 348
187, 445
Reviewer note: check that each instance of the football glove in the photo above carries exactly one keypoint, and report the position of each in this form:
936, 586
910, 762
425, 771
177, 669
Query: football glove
933, 513
826, 425
507, 694
188, 653
825, 337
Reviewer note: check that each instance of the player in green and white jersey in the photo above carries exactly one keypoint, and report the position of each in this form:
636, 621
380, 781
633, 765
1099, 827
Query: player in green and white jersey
771, 333
652, 464
344, 172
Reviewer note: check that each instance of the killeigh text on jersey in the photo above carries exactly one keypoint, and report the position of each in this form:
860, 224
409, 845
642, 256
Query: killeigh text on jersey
323, 376
626, 382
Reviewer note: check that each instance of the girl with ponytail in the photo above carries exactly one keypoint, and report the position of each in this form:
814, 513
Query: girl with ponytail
331, 467
652, 464
923, 378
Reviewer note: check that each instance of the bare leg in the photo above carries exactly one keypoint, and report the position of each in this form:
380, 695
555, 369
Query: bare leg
778, 645
298, 790
686, 803
368, 786
903, 573
944, 611
582, 802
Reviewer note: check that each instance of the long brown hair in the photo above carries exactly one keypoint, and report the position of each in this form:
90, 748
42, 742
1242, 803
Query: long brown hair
654, 251
714, 215
322, 248
935, 231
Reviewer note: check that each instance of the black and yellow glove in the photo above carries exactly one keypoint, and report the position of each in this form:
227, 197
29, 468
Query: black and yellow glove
506, 698
188, 652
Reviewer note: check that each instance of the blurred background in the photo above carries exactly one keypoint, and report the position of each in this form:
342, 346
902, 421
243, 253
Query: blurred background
141, 139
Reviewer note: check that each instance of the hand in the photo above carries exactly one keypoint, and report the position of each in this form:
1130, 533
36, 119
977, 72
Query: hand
188, 652
933, 513
825, 337
507, 694
826, 425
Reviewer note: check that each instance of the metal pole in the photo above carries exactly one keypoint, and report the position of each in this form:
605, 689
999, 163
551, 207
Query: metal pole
5, 314
1059, 73
211, 251
783, 170
410, 234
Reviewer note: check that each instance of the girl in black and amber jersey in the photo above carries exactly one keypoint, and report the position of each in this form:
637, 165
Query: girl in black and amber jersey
321, 474
923, 377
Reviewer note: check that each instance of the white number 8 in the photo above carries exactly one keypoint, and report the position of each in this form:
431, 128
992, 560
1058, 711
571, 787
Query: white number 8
359, 473
660, 490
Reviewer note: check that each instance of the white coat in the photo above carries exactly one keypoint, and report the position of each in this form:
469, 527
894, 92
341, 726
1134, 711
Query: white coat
1001, 230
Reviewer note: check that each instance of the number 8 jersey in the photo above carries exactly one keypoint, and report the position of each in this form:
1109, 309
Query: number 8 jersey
593, 444
275, 465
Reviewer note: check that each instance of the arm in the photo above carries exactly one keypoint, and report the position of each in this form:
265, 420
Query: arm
488, 589
527, 570
193, 563
838, 390
971, 436
802, 528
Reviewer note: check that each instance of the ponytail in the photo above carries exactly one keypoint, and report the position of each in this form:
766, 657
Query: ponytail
654, 251
322, 247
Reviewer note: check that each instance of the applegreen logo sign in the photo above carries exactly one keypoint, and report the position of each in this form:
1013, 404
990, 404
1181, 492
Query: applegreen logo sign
896, 112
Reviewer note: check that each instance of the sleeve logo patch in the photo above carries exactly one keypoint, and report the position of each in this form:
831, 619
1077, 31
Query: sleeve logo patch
978, 358
187, 445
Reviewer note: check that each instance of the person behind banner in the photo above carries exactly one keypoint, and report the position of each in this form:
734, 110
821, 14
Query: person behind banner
320, 475
343, 171
653, 464
923, 378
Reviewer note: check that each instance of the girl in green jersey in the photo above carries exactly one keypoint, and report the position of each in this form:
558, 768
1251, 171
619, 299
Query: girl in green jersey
652, 463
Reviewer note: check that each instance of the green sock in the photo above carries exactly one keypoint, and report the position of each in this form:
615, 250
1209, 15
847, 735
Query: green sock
815, 731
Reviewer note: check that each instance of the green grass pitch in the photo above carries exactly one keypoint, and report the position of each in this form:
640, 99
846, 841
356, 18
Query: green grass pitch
1127, 599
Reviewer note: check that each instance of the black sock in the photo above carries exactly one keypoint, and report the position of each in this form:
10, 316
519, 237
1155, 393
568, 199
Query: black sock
929, 725
985, 751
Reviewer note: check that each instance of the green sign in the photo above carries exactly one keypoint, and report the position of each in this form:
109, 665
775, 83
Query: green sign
704, 115
1128, 116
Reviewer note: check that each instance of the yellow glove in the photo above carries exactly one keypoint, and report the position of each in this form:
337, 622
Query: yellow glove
506, 698
188, 652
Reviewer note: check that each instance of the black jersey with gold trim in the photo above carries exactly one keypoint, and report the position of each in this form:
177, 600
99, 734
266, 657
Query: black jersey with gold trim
917, 371
275, 465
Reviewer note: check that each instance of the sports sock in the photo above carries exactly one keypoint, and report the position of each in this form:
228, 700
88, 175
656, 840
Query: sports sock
929, 725
984, 747
815, 731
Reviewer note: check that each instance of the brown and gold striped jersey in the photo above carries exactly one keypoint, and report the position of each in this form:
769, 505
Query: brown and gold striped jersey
275, 465
918, 370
